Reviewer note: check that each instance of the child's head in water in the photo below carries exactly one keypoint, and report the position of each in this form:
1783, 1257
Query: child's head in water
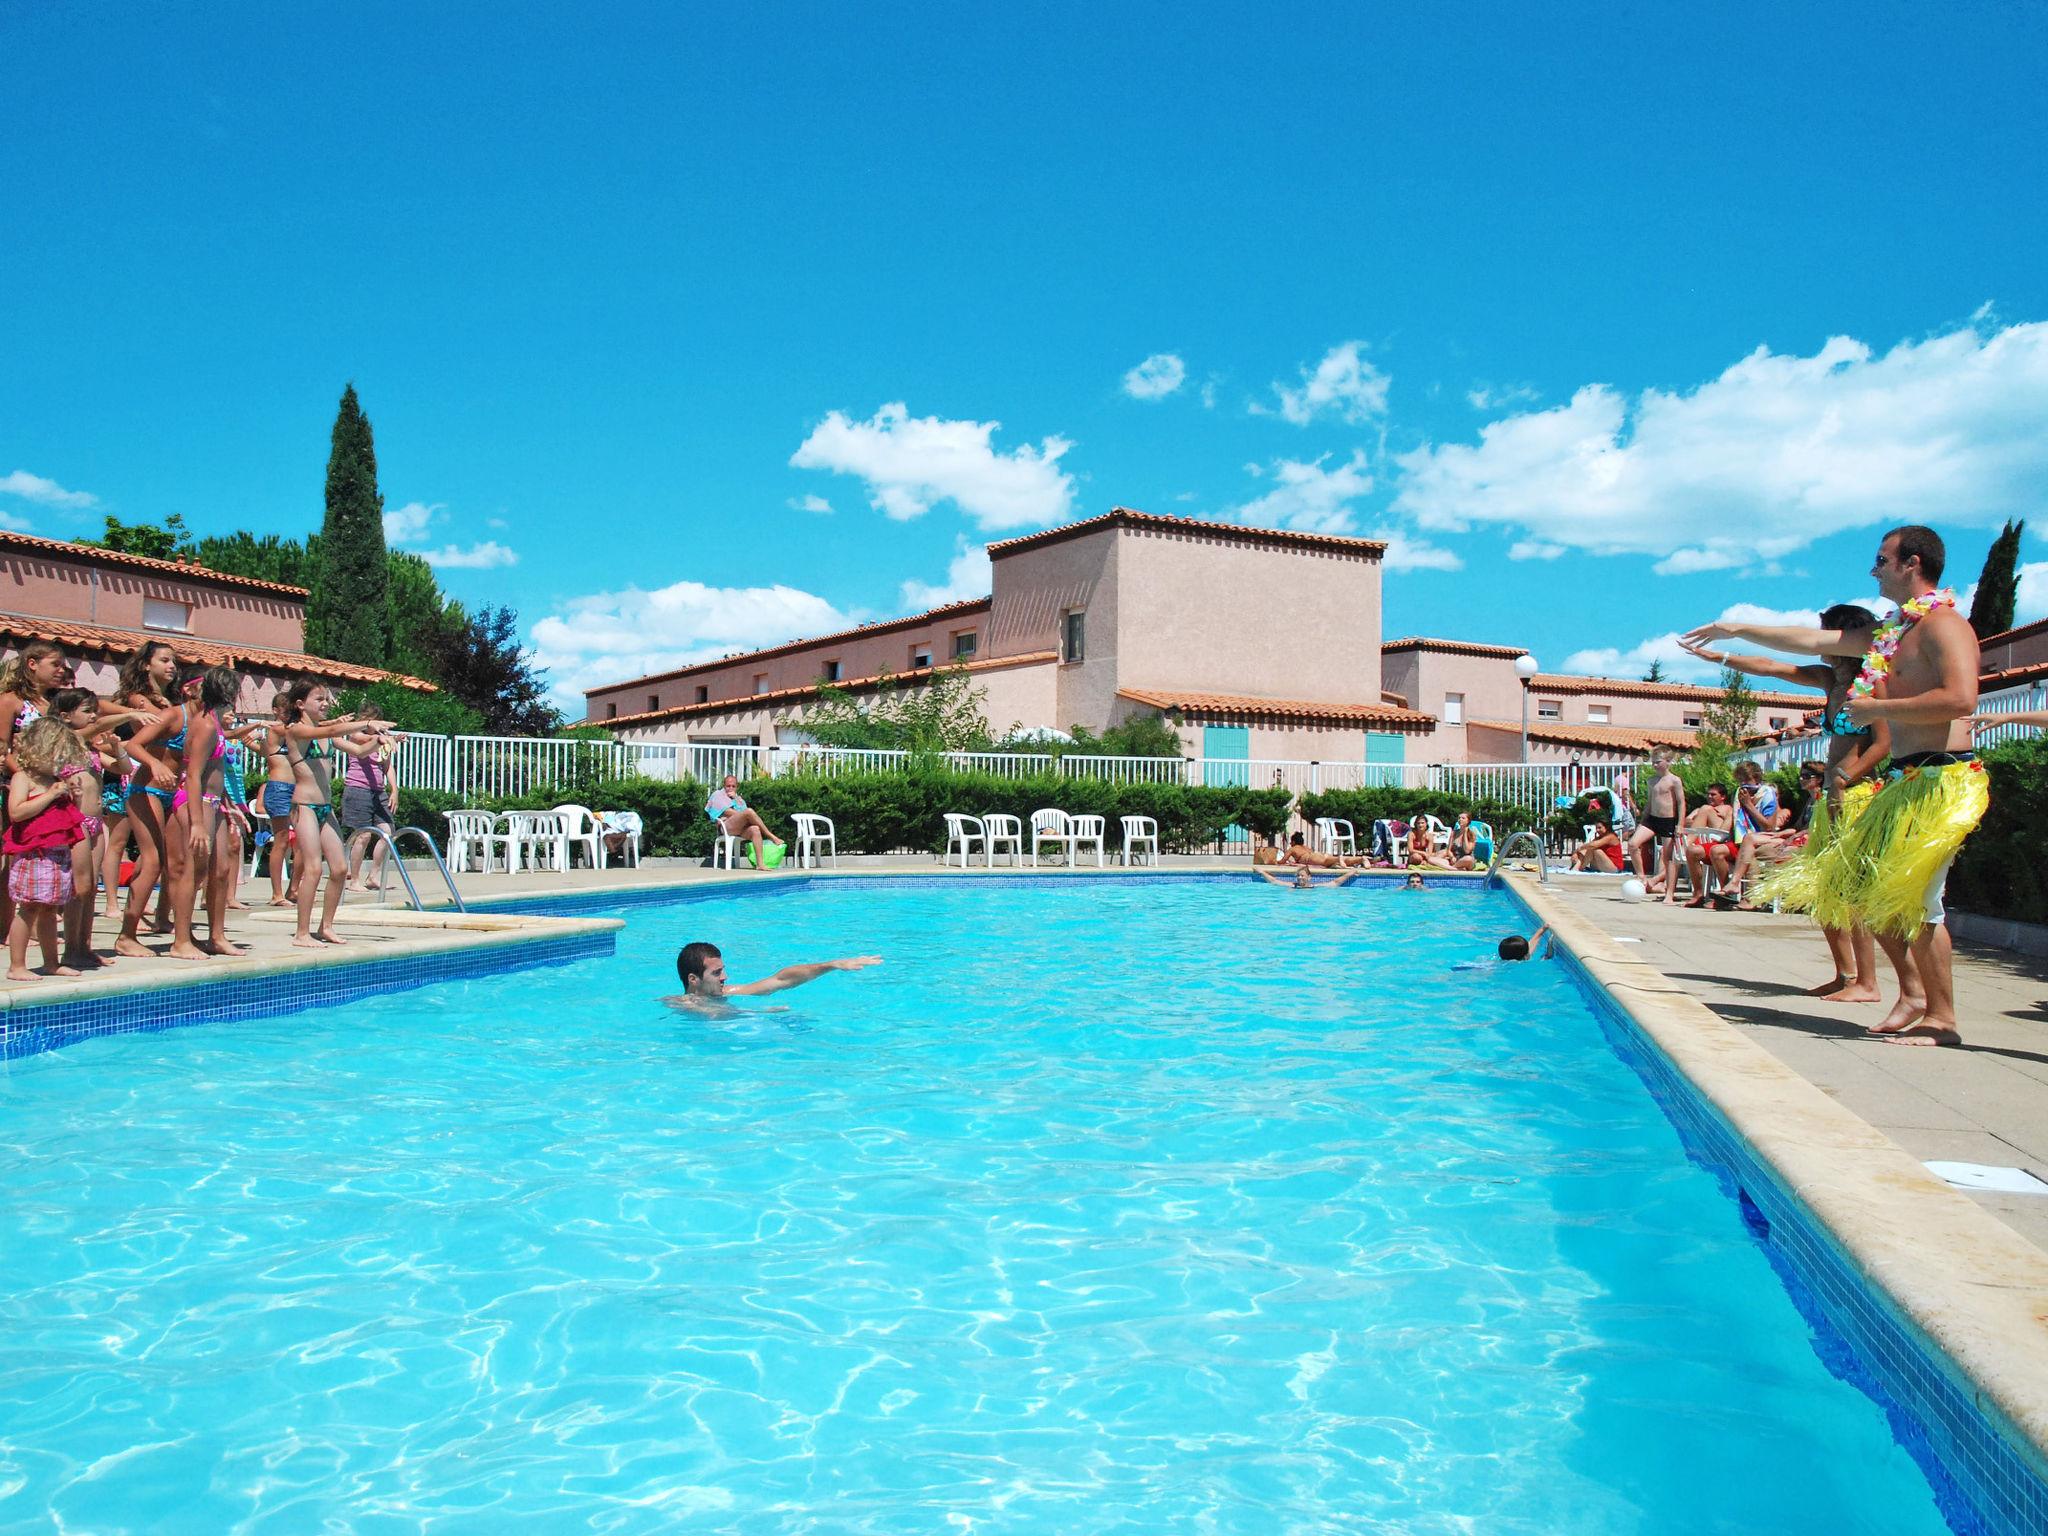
1514, 947
1412, 883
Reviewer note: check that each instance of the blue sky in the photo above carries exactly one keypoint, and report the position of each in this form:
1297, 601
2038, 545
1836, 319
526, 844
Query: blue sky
1610, 325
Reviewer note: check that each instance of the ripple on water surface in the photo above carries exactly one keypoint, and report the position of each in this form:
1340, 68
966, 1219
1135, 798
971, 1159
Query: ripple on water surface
1121, 1208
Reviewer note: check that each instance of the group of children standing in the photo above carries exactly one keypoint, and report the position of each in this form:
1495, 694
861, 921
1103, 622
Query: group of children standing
158, 765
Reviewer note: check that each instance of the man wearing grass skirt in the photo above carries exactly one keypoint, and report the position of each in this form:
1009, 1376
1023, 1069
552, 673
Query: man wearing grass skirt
1919, 678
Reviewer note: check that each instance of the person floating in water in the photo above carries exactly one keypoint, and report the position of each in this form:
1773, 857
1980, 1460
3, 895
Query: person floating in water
1304, 879
705, 989
1515, 947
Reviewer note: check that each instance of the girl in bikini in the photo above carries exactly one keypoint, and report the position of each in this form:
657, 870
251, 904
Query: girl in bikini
200, 843
277, 806
26, 682
311, 740
147, 678
83, 712
42, 825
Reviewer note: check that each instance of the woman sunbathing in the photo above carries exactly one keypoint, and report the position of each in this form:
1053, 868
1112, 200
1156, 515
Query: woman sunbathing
1299, 852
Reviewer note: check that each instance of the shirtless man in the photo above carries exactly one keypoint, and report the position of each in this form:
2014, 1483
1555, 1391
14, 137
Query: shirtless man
1707, 830
1304, 879
1929, 690
735, 818
1662, 814
705, 989
1299, 852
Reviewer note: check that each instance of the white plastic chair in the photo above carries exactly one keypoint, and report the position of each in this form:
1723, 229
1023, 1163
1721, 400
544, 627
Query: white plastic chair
1003, 830
814, 832
725, 851
624, 824
962, 833
1140, 833
476, 834
1084, 829
1051, 826
1336, 835
579, 830
539, 838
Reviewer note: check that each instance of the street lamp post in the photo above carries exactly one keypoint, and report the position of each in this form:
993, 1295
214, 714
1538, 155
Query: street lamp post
1525, 669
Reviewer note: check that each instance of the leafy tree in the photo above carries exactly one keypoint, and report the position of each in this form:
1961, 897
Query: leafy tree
266, 558
438, 714
1732, 717
477, 658
168, 540
420, 612
1998, 588
1140, 736
1656, 672
348, 615
939, 715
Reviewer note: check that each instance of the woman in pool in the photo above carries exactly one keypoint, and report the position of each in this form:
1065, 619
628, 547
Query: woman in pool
311, 740
144, 689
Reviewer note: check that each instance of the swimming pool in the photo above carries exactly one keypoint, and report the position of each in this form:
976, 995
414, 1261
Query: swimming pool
1100, 1206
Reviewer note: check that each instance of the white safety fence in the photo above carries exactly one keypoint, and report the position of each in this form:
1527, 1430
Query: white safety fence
2006, 701
488, 767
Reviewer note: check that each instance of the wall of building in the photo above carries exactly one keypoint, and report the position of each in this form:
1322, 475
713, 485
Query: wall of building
1035, 590
1200, 614
81, 592
2028, 646
888, 648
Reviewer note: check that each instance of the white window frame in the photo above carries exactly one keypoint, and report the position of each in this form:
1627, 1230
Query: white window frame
1599, 714
1454, 709
1550, 709
1073, 646
834, 671
966, 644
184, 611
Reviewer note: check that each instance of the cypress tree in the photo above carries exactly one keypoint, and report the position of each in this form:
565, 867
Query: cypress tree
348, 615
1998, 588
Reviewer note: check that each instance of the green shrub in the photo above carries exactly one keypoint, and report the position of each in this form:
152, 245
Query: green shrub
2003, 868
882, 812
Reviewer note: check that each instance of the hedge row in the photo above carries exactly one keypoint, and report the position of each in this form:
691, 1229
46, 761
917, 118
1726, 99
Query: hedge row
884, 812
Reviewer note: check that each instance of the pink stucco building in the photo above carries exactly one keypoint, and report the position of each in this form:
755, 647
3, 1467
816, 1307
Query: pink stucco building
101, 605
1255, 642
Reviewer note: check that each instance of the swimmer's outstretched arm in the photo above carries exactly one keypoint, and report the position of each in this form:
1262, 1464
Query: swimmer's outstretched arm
1349, 874
1270, 878
796, 975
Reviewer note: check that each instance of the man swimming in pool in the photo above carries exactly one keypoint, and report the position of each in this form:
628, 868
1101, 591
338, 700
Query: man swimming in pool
705, 989
1304, 879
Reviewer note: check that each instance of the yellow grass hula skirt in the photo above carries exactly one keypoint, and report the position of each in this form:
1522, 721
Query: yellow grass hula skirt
1878, 870
1794, 884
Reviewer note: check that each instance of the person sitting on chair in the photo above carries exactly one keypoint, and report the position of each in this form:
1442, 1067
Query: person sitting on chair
736, 819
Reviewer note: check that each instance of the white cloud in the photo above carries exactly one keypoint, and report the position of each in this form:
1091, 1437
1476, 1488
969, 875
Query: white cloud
1343, 385
1534, 549
912, 462
1209, 392
1155, 378
496, 522
967, 576
12, 523
1687, 562
408, 524
1495, 397
486, 556
1406, 554
44, 492
1776, 452
1681, 666
1307, 496
609, 637
812, 503
2031, 602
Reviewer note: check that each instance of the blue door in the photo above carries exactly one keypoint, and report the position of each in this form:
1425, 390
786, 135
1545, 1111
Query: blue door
1385, 747
1226, 750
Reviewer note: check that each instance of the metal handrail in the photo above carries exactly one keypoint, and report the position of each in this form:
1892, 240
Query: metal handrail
390, 841
1542, 862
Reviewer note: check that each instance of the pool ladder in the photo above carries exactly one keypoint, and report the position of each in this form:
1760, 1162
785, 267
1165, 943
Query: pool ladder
391, 841
1535, 842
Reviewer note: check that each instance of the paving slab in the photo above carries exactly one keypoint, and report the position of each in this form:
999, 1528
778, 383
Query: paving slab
1752, 970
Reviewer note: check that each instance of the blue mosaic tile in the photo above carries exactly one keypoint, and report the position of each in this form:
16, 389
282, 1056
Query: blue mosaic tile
34, 1029
1984, 1471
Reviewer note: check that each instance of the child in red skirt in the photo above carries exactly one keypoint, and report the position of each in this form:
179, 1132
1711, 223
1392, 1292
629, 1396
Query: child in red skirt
43, 821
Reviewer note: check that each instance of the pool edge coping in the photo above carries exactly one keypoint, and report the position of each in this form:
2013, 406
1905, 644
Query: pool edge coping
1906, 1232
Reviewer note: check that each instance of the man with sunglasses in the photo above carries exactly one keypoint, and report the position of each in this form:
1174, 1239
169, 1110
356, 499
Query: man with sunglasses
1919, 679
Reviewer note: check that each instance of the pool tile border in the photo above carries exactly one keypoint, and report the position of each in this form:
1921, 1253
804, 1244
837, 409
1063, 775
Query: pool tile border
34, 1029
1955, 1349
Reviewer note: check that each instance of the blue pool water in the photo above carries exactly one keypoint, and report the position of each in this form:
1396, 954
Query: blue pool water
1110, 1208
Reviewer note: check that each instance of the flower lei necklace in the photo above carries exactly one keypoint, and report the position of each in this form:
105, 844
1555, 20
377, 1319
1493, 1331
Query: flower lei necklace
1884, 640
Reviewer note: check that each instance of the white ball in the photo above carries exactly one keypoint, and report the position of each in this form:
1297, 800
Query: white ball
1632, 890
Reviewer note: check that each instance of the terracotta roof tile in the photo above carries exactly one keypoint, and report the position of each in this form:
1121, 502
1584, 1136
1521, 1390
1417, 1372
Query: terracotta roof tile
63, 549
2013, 677
1229, 533
110, 643
742, 703
858, 632
1452, 647
1253, 707
1618, 737
1627, 688
2017, 632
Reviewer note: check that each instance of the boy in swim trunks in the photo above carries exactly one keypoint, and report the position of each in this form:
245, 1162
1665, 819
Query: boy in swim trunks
1664, 810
